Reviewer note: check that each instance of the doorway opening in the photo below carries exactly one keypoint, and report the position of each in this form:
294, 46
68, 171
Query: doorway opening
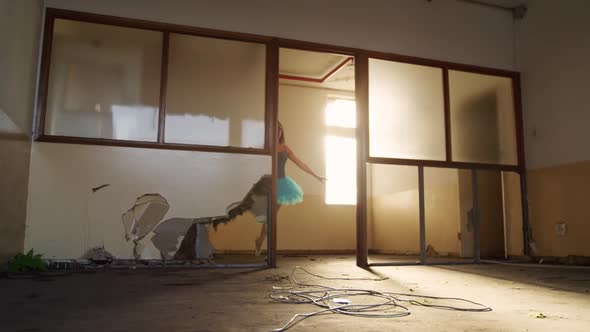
318, 114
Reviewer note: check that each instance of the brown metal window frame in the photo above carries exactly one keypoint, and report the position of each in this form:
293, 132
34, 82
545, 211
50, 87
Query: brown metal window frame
166, 29
362, 95
273, 44
449, 162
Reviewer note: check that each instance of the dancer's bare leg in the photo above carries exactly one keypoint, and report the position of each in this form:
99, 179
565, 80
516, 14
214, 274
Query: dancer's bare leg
263, 234
261, 238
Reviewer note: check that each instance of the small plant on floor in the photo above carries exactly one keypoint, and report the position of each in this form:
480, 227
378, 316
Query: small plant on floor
29, 262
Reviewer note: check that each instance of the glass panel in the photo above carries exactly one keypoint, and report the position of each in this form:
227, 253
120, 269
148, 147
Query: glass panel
482, 118
393, 214
215, 92
448, 208
491, 214
512, 214
104, 82
406, 111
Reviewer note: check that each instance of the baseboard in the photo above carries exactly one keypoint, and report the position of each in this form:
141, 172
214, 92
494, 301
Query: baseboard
412, 253
567, 260
293, 252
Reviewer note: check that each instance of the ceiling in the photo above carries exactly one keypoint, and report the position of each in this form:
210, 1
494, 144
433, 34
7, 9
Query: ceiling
316, 65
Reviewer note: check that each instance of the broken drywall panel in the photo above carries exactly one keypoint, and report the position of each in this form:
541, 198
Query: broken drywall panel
169, 234
62, 177
196, 244
185, 238
144, 215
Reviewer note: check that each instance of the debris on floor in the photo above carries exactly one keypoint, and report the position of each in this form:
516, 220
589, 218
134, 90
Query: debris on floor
538, 315
431, 252
99, 256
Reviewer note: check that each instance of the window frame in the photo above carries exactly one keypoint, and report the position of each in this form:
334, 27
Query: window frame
446, 67
361, 61
40, 135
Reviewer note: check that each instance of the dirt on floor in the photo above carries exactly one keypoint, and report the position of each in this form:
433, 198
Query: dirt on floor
522, 298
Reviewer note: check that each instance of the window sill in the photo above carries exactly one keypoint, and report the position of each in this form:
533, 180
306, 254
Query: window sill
150, 145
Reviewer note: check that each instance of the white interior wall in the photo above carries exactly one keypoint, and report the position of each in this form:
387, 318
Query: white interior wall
65, 218
554, 48
20, 23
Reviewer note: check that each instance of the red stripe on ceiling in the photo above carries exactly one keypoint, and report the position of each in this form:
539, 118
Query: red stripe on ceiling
317, 80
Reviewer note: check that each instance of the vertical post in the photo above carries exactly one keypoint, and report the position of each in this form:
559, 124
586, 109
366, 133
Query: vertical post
521, 161
422, 214
362, 116
447, 105
269, 209
477, 235
272, 109
505, 223
163, 86
43, 89
518, 121
525, 213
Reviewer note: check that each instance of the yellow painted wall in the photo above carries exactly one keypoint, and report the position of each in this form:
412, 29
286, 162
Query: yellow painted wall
560, 194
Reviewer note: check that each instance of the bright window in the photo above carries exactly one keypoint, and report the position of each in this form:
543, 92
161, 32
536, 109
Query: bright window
340, 144
341, 113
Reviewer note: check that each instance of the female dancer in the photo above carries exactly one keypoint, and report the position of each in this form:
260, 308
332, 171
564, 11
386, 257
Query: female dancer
288, 192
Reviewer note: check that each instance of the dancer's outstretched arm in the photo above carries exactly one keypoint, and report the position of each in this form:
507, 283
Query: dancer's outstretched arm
303, 165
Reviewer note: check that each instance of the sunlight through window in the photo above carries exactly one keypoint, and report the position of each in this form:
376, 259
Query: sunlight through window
340, 147
341, 113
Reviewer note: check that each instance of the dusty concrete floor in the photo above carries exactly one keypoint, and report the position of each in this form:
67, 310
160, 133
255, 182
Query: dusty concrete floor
238, 300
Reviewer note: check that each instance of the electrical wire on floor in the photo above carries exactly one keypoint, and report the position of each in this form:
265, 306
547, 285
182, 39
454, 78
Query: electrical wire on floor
337, 300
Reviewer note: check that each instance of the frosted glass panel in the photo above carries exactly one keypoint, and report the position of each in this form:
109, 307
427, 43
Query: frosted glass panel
215, 92
448, 214
482, 118
406, 111
511, 194
393, 213
491, 213
104, 82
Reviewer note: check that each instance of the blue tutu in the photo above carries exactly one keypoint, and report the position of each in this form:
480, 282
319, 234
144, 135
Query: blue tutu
289, 192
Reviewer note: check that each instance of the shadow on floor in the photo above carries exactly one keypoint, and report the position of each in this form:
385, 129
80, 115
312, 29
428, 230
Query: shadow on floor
559, 278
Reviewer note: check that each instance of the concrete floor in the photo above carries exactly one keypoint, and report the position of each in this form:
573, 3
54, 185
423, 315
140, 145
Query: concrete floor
174, 299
